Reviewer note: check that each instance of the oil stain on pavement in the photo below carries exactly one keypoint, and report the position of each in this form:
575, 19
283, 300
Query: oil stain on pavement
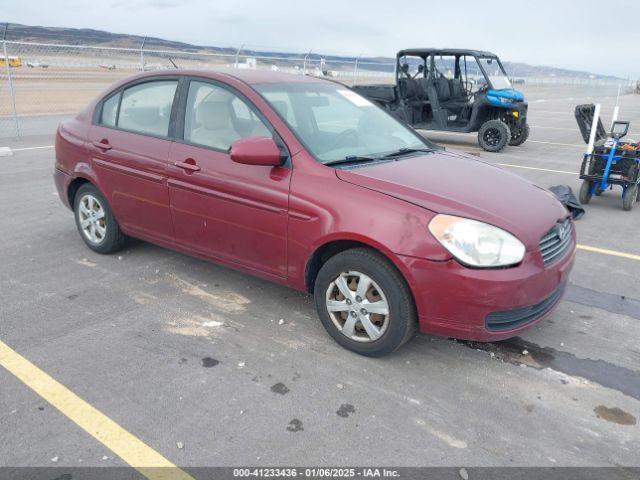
345, 409
295, 425
606, 374
615, 415
208, 362
280, 388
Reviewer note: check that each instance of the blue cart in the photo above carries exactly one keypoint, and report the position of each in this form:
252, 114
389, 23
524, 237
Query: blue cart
612, 162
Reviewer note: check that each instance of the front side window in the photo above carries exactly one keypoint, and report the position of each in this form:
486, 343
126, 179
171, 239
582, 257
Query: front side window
336, 123
216, 117
146, 108
472, 76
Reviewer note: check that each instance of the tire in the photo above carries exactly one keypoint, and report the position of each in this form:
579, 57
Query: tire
629, 198
585, 192
519, 135
494, 135
350, 324
95, 221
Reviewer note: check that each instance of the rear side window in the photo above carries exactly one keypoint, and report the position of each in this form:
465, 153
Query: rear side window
146, 108
110, 111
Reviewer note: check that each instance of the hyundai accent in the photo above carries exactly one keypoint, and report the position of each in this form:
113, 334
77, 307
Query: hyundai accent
304, 182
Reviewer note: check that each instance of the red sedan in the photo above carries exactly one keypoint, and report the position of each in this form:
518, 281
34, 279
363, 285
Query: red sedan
304, 182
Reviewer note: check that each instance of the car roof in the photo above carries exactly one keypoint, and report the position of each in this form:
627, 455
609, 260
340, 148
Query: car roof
444, 51
249, 76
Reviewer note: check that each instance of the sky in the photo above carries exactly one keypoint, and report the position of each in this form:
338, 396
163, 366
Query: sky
595, 36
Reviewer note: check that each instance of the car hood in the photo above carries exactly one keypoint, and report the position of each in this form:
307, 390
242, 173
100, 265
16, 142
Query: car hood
457, 184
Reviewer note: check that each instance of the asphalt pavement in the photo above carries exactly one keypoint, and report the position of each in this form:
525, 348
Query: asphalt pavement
210, 367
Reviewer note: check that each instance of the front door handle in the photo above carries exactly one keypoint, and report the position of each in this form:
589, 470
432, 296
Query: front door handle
102, 144
189, 165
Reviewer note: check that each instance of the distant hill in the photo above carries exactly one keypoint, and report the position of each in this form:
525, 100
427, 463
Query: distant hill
86, 36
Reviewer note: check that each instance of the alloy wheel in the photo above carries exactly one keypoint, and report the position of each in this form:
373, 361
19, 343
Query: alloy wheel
92, 219
357, 306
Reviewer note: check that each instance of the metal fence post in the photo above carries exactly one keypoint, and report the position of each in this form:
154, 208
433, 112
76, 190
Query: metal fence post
10, 80
355, 71
235, 64
142, 53
304, 64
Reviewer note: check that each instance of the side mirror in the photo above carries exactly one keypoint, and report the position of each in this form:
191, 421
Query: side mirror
256, 151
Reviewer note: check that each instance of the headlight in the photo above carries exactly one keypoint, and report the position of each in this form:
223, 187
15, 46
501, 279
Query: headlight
475, 243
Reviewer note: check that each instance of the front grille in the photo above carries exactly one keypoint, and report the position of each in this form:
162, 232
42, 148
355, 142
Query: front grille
556, 241
510, 319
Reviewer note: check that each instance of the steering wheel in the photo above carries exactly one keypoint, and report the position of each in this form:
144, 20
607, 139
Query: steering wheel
468, 86
343, 136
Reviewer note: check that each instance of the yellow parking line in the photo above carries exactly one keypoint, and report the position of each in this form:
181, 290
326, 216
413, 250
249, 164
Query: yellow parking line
129, 448
605, 251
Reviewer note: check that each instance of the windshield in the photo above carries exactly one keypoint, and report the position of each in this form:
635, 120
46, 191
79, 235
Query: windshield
335, 123
496, 74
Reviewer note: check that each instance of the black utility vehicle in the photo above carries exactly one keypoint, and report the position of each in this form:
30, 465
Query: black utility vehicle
455, 91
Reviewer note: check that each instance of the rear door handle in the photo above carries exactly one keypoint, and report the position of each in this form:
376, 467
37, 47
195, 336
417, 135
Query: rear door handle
102, 145
189, 165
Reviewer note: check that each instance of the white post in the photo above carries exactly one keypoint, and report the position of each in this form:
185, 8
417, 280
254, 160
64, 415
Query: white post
594, 128
616, 109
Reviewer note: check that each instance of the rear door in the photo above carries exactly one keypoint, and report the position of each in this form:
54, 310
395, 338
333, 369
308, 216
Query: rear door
130, 144
236, 213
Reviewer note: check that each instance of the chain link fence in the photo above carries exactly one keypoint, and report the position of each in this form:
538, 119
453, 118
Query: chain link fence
41, 83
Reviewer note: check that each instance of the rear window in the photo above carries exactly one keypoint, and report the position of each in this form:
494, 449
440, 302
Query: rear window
145, 108
110, 110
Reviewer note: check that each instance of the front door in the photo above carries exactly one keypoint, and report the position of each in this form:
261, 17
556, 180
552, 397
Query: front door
130, 150
233, 212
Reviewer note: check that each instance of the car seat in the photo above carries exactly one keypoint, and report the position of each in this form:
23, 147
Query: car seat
408, 86
144, 119
214, 126
454, 99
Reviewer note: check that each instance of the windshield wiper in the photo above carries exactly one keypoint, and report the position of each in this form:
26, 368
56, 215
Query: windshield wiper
352, 159
405, 151
372, 158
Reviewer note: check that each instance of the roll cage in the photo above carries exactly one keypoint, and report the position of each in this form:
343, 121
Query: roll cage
428, 68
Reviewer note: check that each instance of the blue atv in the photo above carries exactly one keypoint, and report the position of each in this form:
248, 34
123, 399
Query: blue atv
454, 90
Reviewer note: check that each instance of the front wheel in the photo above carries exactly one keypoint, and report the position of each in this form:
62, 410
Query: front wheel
585, 192
630, 197
519, 135
494, 135
364, 303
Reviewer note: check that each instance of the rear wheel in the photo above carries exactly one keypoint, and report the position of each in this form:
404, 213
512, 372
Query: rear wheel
494, 135
629, 198
364, 302
519, 135
585, 192
95, 221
